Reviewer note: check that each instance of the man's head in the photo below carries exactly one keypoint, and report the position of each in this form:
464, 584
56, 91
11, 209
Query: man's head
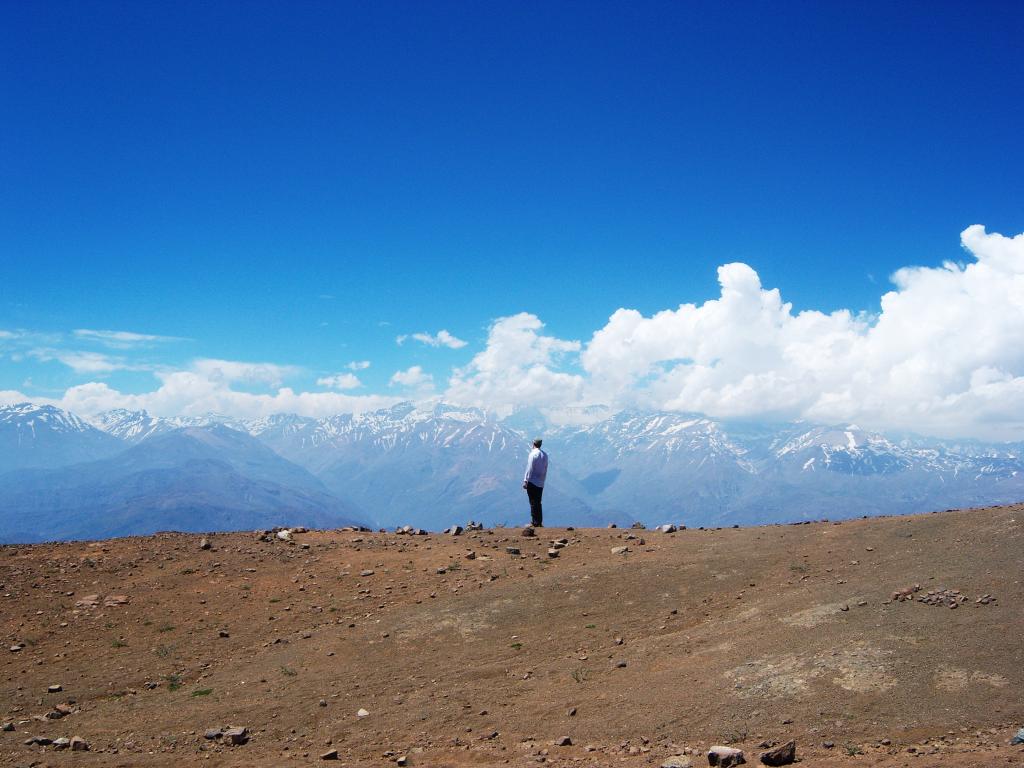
537, 443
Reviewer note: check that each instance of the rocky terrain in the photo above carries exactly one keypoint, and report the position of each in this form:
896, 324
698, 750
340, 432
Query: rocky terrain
888, 642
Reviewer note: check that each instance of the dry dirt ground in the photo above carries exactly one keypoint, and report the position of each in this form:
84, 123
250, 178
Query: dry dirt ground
736, 636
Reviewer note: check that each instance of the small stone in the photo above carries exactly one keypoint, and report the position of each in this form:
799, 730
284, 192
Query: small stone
620, 550
114, 600
223, 633
323, 702
78, 744
512, 550
213, 733
62, 743
401, 760
620, 665
15, 648
55, 689
572, 712
236, 736
1018, 737
7, 727
552, 552
781, 755
455, 530
366, 572
565, 741
667, 528
362, 713
529, 531
331, 754
828, 744
284, 535
204, 543
471, 555
678, 761
725, 757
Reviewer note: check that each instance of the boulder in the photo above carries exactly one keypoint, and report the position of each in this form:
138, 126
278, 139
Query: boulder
781, 755
236, 736
725, 757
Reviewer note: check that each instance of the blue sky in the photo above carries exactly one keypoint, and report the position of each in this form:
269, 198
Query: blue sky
301, 184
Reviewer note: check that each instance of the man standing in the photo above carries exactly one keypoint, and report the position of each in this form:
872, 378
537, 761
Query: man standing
536, 471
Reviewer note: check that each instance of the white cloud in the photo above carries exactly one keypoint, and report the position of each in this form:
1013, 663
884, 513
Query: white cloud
86, 362
518, 367
7, 334
232, 371
441, 339
358, 365
340, 381
121, 339
412, 378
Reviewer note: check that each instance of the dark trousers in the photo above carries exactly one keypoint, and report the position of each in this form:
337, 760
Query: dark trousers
534, 492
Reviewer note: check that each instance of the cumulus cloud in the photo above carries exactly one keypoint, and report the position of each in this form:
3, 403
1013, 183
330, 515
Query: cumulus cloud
412, 378
441, 339
945, 355
7, 334
358, 365
518, 366
121, 339
340, 381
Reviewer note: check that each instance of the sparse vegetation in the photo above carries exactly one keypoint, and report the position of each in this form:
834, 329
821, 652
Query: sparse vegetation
288, 672
517, 646
163, 651
119, 644
166, 628
203, 692
173, 682
580, 674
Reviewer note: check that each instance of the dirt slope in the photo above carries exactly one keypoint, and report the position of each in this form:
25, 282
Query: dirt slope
737, 636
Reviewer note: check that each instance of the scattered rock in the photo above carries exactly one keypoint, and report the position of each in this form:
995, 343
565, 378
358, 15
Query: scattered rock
781, 755
638, 526
78, 744
113, 601
529, 531
204, 543
61, 743
331, 754
362, 713
678, 761
42, 741
7, 727
55, 689
512, 550
223, 633
236, 736
284, 535
213, 733
666, 528
366, 572
620, 550
565, 741
553, 552
89, 601
949, 598
455, 530
471, 555
620, 665
725, 756
1018, 737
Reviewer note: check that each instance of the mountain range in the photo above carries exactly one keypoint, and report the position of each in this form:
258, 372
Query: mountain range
129, 472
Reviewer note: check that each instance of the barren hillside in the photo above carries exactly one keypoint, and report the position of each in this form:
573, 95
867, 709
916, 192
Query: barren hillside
739, 636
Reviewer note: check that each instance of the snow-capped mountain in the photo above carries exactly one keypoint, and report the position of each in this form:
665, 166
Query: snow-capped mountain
43, 436
444, 464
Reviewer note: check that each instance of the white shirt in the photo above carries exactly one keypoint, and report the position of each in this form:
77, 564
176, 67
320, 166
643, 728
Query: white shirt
536, 467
